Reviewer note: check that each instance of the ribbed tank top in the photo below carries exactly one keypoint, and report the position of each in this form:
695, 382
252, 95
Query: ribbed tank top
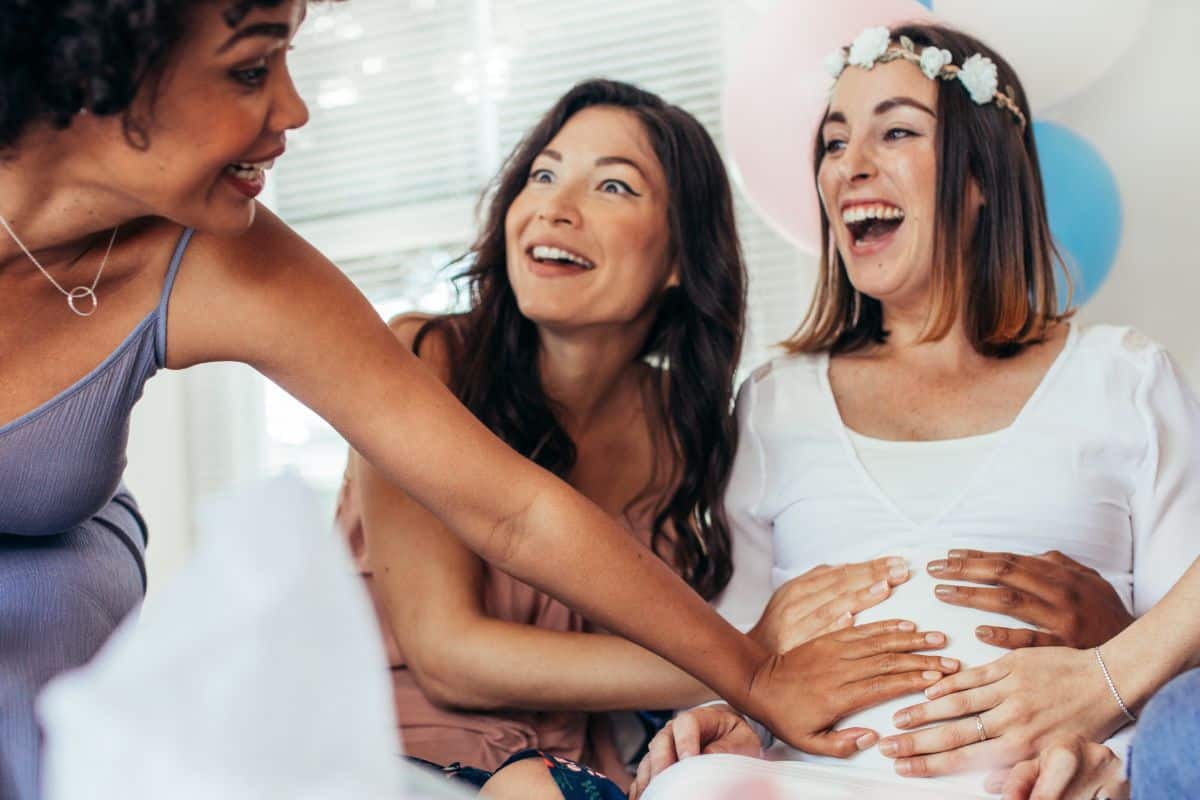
62, 462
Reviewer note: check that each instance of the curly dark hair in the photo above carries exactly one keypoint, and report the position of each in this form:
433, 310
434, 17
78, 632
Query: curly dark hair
696, 336
61, 57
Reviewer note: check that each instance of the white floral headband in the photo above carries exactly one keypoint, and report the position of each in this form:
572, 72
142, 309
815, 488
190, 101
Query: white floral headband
978, 73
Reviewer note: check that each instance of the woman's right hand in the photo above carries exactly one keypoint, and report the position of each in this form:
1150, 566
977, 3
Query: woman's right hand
825, 599
801, 694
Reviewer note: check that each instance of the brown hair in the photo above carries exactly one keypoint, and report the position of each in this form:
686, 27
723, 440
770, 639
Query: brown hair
696, 336
1000, 276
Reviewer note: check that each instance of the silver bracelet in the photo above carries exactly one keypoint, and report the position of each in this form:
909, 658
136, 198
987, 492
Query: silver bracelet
1113, 687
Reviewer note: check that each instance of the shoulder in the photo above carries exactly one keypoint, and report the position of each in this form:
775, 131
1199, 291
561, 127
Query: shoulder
1120, 349
433, 338
790, 370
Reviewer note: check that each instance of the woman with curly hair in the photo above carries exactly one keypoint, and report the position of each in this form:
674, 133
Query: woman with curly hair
134, 137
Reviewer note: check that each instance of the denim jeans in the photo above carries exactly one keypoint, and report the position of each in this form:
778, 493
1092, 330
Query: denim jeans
1165, 758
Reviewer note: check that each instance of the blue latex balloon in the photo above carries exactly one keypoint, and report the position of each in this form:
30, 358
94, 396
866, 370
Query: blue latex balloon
1084, 204
927, 3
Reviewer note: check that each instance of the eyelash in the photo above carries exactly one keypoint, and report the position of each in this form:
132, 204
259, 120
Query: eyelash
252, 77
535, 177
888, 136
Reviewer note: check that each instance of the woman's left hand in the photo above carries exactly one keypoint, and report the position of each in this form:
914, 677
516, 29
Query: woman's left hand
1069, 604
1004, 712
1073, 769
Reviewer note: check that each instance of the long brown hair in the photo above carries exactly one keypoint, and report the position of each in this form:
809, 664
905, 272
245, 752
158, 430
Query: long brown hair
1000, 276
696, 337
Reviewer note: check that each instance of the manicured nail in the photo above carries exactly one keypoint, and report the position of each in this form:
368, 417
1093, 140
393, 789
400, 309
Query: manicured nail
898, 573
936, 566
896, 561
957, 553
932, 692
983, 633
889, 747
932, 675
904, 768
942, 590
865, 741
907, 626
901, 718
950, 664
879, 588
936, 638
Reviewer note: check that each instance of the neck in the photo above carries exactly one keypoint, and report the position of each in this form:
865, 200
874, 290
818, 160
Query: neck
905, 325
587, 372
54, 199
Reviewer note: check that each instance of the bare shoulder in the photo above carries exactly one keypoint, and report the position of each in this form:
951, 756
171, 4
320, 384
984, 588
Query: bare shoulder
431, 337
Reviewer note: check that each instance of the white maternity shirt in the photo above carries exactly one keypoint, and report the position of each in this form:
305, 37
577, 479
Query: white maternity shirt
1101, 464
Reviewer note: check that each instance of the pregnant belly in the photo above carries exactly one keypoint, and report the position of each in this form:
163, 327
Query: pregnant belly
915, 601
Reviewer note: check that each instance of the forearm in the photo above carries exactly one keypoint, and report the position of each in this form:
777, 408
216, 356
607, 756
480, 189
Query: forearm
621, 586
536, 669
1164, 642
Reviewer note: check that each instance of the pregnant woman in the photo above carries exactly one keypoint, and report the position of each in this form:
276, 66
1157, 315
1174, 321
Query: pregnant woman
935, 398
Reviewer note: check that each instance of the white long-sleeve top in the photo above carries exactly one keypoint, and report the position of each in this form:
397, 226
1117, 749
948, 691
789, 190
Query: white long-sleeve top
1101, 464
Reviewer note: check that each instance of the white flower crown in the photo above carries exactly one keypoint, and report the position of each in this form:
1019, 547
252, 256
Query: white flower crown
978, 73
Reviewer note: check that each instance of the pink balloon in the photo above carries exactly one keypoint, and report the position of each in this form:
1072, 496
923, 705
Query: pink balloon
776, 94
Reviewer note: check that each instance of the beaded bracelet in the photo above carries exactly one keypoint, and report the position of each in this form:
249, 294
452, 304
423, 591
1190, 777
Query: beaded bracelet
1113, 687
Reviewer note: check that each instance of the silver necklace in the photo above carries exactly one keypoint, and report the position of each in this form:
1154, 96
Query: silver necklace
75, 297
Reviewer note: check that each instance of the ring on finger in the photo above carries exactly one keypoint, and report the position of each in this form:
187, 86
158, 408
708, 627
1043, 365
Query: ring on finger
982, 731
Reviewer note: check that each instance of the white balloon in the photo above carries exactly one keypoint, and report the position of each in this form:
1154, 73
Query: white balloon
1058, 47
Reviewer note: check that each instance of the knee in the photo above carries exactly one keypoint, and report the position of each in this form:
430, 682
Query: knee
525, 780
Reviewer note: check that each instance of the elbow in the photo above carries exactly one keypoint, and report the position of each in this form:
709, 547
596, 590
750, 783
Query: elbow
452, 685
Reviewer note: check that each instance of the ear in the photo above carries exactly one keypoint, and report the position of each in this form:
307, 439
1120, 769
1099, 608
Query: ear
673, 277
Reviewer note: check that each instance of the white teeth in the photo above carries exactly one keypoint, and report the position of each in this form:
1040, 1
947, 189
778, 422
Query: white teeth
875, 211
543, 253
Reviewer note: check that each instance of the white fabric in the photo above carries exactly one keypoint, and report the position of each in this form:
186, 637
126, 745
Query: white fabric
1099, 464
921, 478
258, 674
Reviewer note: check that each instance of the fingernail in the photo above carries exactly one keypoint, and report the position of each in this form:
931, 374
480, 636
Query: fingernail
889, 747
932, 692
904, 768
896, 561
864, 741
935, 638
907, 626
844, 620
931, 675
901, 718
936, 566
942, 590
950, 664
879, 588
983, 633
957, 554
898, 573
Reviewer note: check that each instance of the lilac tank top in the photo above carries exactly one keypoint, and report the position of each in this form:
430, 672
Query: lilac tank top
61, 463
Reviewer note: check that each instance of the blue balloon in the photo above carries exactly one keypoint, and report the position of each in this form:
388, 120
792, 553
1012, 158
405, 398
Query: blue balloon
1084, 204
927, 3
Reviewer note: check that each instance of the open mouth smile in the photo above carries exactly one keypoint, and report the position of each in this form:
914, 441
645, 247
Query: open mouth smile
872, 226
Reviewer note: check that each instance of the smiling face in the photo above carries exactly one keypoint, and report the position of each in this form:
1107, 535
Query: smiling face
587, 239
879, 176
215, 122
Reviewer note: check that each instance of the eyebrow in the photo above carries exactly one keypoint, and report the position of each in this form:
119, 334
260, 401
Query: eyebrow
270, 30
883, 108
603, 161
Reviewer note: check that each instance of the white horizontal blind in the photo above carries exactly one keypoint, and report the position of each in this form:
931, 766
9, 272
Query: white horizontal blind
418, 101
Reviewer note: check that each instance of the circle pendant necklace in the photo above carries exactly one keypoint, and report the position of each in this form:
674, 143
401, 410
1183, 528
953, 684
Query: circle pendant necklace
82, 299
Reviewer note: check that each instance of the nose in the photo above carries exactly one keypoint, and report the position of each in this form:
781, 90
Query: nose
559, 207
858, 162
289, 111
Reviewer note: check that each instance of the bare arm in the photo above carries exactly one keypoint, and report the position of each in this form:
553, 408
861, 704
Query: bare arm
267, 298
526, 666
